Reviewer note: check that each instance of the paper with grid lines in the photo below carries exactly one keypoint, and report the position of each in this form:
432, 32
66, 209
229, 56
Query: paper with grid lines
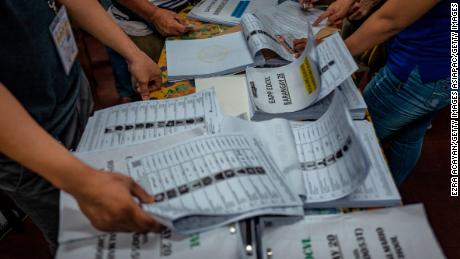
212, 180
147, 120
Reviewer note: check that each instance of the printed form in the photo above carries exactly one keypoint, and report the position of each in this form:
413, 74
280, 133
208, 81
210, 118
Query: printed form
331, 155
73, 224
308, 79
227, 12
399, 232
266, 28
222, 243
226, 175
146, 120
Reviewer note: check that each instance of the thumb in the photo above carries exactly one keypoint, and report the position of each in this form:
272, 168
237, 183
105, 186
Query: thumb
138, 192
143, 90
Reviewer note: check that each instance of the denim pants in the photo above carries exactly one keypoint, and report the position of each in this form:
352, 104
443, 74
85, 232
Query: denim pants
37, 197
401, 112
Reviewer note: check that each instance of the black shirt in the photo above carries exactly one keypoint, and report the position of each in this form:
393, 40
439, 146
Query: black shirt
30, 66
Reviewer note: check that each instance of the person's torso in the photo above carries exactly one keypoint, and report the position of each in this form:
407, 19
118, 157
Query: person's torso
30, 66
424, 44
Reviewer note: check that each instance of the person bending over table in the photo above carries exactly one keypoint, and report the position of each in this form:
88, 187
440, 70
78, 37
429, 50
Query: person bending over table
44, 110
405, 95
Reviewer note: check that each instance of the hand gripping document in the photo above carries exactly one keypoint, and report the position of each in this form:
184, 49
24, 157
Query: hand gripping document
300, 84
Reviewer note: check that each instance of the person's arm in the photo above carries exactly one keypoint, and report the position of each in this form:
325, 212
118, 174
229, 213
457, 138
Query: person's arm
388, 20
167, 23
91, 17
335, 12
105, 198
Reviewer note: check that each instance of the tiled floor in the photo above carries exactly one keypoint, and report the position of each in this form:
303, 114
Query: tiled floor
428, 184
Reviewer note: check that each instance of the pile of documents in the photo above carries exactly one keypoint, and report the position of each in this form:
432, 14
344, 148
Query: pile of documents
272, 29
252, 166
220, 169
400, 232
227, 12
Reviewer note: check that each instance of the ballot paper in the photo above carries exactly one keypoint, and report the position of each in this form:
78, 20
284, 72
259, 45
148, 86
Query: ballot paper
378, 188
331, 155
146, 120
266, 28
219, 55
227, 12
353, 98
332, 160
222, 243
285, 89
401, 232
73, 224
210, 181
313, 76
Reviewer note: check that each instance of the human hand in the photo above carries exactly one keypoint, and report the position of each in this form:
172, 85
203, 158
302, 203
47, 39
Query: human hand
108, 200
146, 74
307, 4
361, 9
168, 23
335, 12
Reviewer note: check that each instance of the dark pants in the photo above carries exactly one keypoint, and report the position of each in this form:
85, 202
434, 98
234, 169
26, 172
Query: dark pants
36, 196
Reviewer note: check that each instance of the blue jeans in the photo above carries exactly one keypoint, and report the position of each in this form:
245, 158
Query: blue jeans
121, 73
401, 113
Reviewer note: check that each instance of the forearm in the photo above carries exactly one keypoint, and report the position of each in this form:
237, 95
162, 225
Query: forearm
24, 141
143, 8
373, 32
90, 16
393, 17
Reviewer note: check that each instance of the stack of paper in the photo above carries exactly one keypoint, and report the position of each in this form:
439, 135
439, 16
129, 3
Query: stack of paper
389, 233
223, 243
272, 29
146, 120
227, 12
220, 55
347, 90
233, 95
306, 81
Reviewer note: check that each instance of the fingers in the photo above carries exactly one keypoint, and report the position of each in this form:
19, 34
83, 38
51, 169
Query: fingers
138, 192
143, 89
283, 43
323, 16
144, 222
300, 44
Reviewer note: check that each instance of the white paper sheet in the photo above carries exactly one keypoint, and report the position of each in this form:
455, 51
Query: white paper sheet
227, 12
285, 89
402, 232
288, 20
219, 55
231, 91
313, 76
219, 243
379, 188
210, 181
335, 63
73, 224
332, 156
146, 120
